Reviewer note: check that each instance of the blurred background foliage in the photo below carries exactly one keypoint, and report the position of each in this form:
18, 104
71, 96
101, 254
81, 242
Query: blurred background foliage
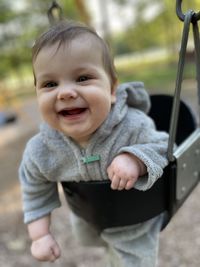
21, 21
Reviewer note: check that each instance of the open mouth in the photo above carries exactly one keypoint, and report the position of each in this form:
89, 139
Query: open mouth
71, 112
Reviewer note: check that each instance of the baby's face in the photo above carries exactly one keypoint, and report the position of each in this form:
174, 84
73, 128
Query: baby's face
73, 89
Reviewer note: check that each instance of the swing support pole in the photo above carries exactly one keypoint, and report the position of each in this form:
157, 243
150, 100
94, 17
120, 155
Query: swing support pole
188, 18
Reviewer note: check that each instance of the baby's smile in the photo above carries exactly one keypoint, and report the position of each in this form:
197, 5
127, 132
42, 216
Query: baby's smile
71, 112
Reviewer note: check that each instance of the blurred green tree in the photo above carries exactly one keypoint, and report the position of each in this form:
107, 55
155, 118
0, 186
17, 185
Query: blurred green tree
161, 28
21, 22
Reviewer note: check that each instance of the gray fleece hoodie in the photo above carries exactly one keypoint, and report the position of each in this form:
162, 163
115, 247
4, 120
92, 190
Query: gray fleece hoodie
51, 157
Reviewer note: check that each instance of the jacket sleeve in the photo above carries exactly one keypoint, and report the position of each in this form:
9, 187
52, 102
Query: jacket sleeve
40, 196
150, 146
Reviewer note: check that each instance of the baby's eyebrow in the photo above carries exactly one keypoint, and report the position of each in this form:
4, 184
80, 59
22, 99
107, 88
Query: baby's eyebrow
86, 68
45, 76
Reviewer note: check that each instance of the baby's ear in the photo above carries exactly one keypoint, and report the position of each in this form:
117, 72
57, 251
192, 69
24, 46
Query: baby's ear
113, 92
113, 99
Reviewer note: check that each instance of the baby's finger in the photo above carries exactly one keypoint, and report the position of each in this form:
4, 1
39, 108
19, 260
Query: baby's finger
130, 184
57, 251
122, 184
110, 172
115, 182
49, 256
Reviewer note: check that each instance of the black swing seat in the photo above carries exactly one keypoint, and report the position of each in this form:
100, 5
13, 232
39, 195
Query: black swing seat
103, 207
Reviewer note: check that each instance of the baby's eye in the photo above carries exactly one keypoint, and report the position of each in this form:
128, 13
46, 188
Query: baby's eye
50, 84
83, 78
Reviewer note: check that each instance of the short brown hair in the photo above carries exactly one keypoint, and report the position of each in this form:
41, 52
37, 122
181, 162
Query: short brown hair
69, 30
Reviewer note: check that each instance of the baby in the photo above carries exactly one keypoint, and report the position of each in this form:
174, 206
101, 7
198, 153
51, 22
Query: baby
86, 113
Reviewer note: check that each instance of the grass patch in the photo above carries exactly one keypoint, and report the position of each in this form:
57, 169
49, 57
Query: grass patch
157, 76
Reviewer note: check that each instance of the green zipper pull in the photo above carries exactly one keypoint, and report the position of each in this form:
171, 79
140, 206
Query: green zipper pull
90, 159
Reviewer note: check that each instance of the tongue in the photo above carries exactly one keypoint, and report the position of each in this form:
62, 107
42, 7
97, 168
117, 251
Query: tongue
75, 111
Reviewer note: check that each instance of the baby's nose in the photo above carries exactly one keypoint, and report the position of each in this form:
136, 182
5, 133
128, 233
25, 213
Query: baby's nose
67, 91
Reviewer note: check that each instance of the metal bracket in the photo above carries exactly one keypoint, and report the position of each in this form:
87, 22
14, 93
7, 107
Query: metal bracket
188, 165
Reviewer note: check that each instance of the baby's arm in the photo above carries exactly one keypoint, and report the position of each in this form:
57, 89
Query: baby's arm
44, 247
124, 171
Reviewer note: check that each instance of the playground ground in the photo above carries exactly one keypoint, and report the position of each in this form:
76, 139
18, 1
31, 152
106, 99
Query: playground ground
179, 242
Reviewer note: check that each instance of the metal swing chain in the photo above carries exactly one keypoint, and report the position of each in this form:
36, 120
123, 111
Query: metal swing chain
54, 13
180, 14
188, 18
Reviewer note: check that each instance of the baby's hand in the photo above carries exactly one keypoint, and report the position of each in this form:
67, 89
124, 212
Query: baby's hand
45, 249
124, 171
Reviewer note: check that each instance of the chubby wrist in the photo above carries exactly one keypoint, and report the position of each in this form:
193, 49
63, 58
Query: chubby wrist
39, 228
41, 235
141, 166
